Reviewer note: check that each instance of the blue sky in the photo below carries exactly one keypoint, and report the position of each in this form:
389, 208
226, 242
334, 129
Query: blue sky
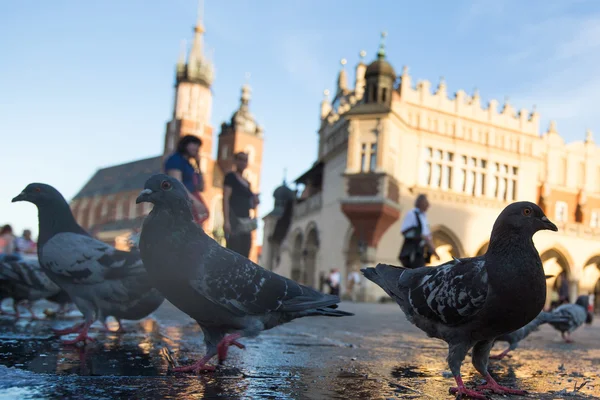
90, 84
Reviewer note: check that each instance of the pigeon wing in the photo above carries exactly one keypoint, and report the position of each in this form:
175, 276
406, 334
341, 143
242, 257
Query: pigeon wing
81, 259
449, 293
28, 274
243, 287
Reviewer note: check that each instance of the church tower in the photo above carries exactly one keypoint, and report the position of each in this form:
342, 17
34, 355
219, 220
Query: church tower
242, 133
193, 97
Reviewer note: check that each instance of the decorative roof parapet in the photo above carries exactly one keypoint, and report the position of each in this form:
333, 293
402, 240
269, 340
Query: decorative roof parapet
465, 106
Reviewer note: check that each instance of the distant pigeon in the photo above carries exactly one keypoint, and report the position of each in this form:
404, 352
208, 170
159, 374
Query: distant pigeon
575, 315
469, 302
25, 282
515, 337
101, 280
222, 290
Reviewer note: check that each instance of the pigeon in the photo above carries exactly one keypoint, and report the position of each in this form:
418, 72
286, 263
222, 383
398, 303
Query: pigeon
469, 302
100, 280
25, 282
575, 315
228, 295
146, 305
515, 337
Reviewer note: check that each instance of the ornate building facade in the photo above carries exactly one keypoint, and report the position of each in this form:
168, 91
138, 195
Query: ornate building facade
106, 207
387, 139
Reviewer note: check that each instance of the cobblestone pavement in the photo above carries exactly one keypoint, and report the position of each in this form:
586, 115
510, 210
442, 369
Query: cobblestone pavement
375, 355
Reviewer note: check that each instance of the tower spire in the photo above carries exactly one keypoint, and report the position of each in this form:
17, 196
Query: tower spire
381, 51
196, 52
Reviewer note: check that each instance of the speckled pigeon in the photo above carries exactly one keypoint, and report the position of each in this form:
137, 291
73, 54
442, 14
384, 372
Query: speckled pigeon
25, 282
469, 302
228, 295
99, 278
574, 314
515, 337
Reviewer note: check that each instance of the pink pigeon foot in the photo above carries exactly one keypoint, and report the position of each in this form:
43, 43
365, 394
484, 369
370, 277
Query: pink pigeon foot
461, 390
501, 355
496, 388
83, 335
223, 346
74, 329
197, 367
33, 316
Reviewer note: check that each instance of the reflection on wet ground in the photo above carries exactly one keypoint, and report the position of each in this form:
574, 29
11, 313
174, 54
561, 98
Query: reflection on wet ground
374, 355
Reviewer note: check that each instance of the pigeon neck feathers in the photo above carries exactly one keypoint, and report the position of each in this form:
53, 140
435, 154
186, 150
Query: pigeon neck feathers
56, 218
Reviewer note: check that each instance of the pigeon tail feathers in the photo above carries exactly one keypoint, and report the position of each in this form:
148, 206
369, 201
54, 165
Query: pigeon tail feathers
326, 312
382, 274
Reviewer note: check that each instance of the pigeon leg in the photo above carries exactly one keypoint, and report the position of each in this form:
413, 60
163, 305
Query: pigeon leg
229, 340
74, 329
198, 366
567, 337
83, 334
462, 390
17, 314
456, 355
501, 355
121, 329
492, 385
30, 309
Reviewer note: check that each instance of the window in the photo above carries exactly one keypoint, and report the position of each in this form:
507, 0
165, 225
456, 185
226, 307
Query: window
224, 152
120, 209
133, 207
363, 158
383, 94
473, 173
595, 219
368, 157
437, 168
373, 160
505, 182
560, 211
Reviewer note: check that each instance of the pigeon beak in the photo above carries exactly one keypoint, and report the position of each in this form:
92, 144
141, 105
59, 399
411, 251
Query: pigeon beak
549, 276
548, 224
144, 196
21, 197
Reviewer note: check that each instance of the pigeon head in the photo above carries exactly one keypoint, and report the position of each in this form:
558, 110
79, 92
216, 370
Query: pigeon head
164, 192
525, 217
584, 301
41, 195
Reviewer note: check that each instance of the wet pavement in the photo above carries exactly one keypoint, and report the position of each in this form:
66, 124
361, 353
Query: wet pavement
376, 354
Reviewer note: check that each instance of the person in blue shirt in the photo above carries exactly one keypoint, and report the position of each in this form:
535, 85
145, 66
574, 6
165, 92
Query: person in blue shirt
184, 165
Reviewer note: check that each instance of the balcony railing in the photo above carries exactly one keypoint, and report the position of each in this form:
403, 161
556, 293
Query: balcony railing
373, 186
308, 205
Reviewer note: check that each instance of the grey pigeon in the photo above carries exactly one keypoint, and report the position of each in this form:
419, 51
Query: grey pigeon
25, 282
99, 279
228, 295
515, 337
469, 302
574, 316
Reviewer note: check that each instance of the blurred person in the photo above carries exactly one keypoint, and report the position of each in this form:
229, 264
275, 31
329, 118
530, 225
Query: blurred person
8, 248
353, 284
184, 165
418, 247
25, 243
238, 200
334, 281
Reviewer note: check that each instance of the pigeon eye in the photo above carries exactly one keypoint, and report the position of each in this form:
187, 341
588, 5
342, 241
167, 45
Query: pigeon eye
527, 212
37, 190
165, 185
